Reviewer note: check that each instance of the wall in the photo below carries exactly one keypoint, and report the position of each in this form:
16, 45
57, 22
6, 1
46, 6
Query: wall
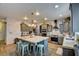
75, 17
13, 30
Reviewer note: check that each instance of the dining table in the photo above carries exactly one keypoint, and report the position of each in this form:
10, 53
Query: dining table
35, 40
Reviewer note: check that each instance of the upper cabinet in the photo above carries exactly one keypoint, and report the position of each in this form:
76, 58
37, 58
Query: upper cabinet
24, 27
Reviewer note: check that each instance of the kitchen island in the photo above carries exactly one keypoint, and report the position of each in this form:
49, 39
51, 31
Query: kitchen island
35, 40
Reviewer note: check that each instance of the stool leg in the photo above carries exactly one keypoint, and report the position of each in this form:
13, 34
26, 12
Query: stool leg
27, 50
44, 51
30, 48
22, 51
37, 51
41, 51
34, 50
18, 49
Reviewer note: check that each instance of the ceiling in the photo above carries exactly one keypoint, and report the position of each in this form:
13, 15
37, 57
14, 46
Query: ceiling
19, 10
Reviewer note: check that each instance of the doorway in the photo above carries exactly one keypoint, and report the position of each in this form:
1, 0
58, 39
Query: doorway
2, 33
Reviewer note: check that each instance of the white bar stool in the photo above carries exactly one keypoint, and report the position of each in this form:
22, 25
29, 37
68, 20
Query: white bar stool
34, 48
24, 48
18, 46
41, 49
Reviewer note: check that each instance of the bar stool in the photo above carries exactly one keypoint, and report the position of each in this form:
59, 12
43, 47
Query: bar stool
41, 49
18, 46
24, 48
34, 48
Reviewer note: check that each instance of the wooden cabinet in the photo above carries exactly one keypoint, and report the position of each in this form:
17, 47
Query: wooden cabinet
24, 29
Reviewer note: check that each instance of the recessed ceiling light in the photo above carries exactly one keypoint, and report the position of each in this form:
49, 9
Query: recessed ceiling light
37, 13
25, 18
60, 15
56, 6
45, 18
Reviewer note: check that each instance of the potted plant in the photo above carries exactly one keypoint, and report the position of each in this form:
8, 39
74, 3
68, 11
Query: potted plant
78, 40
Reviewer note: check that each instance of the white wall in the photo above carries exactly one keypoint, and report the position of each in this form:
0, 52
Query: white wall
13, 30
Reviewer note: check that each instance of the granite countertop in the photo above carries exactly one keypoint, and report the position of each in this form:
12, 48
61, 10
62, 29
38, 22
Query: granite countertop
33, 39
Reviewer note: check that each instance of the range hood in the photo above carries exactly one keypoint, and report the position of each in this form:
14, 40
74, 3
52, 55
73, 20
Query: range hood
55, 27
